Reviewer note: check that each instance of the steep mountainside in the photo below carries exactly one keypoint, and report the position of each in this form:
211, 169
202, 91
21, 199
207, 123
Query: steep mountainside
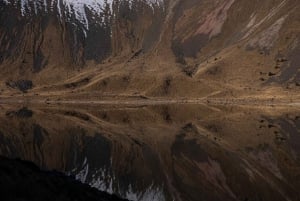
150, 48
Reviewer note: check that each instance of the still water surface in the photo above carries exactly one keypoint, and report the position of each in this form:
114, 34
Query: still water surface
168, 152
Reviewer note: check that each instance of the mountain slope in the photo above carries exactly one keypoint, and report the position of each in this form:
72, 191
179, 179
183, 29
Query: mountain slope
170, 48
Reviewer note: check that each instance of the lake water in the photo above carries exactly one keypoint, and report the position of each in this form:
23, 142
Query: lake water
165, 152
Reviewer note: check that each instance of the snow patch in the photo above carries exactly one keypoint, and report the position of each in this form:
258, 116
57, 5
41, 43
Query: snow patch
67, 8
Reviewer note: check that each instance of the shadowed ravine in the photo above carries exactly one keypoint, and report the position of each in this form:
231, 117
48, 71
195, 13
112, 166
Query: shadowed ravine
162, 152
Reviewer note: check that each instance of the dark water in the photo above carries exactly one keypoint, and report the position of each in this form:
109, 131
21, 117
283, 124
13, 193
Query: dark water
171, 152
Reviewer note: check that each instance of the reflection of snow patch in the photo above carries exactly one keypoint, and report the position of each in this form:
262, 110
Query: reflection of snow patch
152, 193
106, 181
82, 175
102, 180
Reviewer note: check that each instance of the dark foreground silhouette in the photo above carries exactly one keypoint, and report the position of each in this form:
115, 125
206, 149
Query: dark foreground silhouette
24, 181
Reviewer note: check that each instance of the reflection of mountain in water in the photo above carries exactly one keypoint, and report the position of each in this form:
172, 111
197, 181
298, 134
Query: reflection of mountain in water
163, 152
93, 165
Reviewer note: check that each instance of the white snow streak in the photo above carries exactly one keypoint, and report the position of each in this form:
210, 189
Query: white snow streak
104, 180
68, 8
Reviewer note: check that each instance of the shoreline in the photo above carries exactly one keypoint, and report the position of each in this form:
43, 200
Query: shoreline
156, 101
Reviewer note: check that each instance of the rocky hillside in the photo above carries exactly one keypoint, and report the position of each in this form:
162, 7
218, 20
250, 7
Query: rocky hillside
37, 34
152, 48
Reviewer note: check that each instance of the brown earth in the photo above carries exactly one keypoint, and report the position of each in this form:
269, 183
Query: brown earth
185, 50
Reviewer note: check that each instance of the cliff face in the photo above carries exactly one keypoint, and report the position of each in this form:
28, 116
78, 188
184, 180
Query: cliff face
35, 34
225, 45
